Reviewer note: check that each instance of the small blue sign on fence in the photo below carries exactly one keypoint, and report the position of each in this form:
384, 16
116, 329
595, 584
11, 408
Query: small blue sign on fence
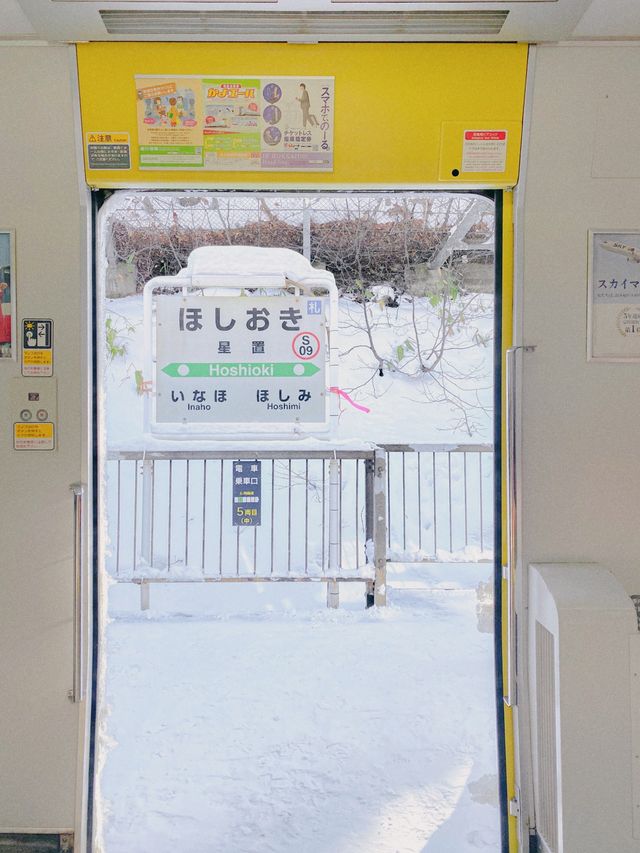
247, 493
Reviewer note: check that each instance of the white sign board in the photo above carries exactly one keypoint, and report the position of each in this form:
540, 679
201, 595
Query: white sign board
614, 296
241, 360
484, 151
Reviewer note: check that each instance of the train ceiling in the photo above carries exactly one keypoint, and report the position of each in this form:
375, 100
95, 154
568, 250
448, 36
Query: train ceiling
302, 21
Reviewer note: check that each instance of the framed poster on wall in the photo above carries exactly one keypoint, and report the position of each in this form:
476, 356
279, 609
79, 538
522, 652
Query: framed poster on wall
8, 347
613, 302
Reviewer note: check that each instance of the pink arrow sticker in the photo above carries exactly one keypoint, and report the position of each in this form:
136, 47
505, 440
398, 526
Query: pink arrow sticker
344, 394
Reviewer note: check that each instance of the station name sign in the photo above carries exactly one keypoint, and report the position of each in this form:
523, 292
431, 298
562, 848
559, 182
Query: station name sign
240, 360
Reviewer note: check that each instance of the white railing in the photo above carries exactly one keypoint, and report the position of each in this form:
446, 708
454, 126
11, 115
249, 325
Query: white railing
440, 502
327, 516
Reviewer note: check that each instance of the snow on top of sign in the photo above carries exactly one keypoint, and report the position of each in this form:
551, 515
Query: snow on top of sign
255, 260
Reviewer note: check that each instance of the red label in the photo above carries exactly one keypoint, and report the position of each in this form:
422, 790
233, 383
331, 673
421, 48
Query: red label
485, 134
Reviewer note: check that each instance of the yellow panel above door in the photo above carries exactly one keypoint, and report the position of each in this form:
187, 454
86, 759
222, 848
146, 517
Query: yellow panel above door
400, 109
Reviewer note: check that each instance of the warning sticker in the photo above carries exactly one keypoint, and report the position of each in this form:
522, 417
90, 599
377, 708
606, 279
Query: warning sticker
31, 436
38, 357
108, 150
484, 151
37, 347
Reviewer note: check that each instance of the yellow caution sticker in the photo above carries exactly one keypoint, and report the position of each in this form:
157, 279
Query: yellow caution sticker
33, 436
37, 357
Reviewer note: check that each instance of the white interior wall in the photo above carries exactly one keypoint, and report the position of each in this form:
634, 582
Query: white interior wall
41, 200
580, 486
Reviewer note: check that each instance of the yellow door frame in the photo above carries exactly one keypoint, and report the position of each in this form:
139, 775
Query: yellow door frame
431, 93
507, 730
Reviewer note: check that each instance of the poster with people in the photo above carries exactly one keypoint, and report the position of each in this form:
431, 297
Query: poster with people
7, 295
236, 123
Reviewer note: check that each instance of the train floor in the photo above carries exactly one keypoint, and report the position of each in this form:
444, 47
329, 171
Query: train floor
246, 719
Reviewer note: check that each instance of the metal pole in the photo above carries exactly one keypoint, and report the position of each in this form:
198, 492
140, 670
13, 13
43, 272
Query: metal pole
369, 477
306, 230
118, 520
333, 595
147, 498
146, 544
145, 595
509, 571
76, 694
380, 528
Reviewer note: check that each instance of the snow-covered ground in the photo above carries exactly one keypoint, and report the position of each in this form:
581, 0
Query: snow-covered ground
297, 729
248, 717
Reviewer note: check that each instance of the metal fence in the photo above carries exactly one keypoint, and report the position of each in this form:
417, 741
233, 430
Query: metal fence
172, 512
439, 502
328, 516
309, 223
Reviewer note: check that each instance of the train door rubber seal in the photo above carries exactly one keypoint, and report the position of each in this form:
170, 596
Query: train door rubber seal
503, 798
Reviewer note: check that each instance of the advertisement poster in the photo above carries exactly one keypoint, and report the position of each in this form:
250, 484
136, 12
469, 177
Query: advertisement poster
7, 296
275, 124
614, 296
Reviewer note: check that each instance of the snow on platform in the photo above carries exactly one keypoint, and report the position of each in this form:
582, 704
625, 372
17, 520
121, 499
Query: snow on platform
282, 726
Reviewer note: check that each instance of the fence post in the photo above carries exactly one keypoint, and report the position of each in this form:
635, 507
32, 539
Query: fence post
380, 528
146, 544
369, 472
333, 594
145, 595
306, 230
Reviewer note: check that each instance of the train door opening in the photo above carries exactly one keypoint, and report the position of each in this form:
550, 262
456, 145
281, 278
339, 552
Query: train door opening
236, 711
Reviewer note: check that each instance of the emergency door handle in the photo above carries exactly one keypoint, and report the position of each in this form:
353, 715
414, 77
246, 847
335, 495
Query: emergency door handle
77, 692
510, 692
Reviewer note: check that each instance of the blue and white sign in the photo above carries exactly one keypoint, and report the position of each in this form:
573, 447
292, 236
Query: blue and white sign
247, 494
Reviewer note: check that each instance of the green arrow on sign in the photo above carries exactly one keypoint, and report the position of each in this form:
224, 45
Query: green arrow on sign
240, 369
